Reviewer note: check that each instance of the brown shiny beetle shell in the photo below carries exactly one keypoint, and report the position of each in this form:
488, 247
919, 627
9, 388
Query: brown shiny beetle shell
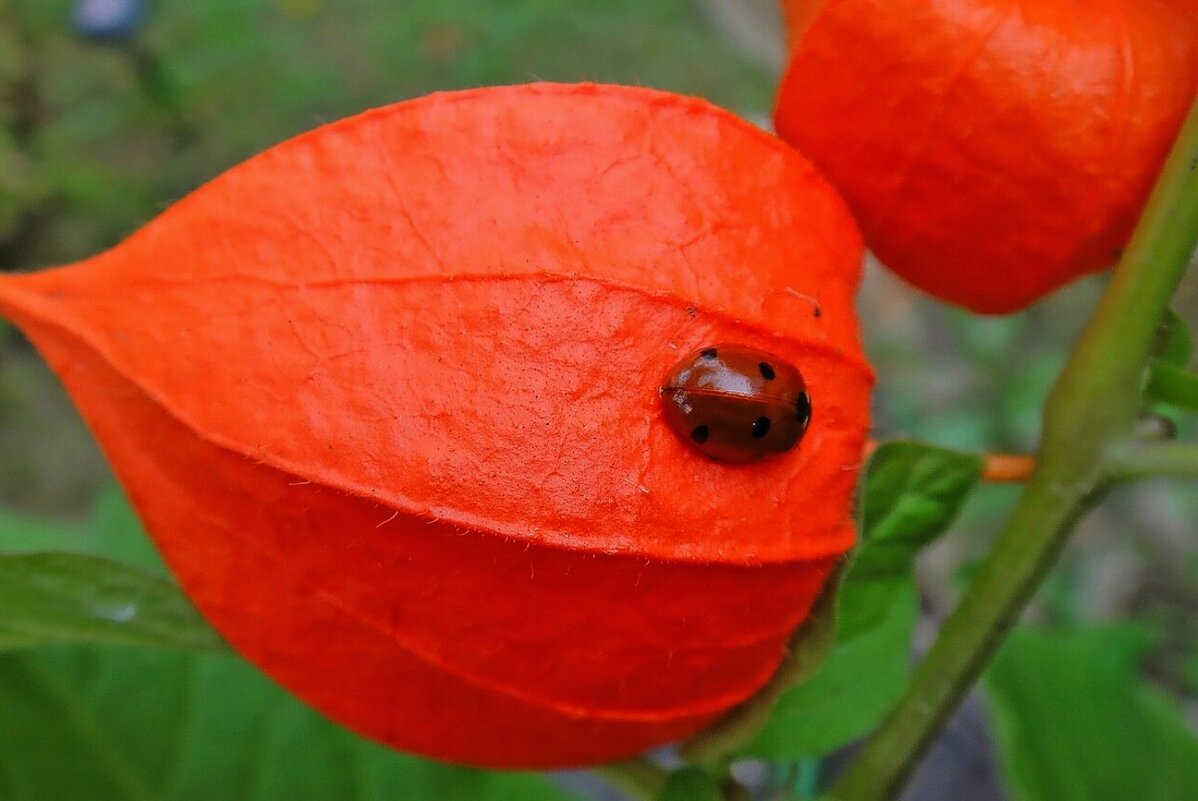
736, 404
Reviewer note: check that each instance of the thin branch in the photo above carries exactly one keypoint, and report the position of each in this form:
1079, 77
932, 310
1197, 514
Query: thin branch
1089, 423
1171, 459
639, 777
997, 468
1007, 468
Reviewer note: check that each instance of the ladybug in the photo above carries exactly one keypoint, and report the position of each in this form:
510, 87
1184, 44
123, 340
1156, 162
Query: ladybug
736, 404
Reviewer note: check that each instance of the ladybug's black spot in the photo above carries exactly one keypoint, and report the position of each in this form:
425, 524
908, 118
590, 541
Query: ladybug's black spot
767, 372
803, 408
708, 353
817, 312
700, 434
761, 427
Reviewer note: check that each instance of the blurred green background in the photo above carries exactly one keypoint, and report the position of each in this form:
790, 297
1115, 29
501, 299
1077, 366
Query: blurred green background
97, 135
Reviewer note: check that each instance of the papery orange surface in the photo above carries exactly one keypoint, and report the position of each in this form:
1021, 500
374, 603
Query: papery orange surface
386, 397
992, 150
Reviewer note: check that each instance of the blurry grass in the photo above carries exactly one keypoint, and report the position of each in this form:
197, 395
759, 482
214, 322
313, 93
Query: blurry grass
49, 464
231, 77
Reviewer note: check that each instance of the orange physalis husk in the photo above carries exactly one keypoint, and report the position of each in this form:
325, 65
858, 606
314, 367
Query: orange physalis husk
992, 150
386, 397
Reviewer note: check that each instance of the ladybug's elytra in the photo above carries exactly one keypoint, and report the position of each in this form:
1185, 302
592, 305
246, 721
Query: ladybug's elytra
737, 404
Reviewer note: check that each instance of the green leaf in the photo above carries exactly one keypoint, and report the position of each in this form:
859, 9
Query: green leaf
1169, 380
1175, 386
691, 784
112, 531
115, 531
52, 598
1076, 723
912, 493
92, 724
96, 724
20, 533
83, 595
861, 679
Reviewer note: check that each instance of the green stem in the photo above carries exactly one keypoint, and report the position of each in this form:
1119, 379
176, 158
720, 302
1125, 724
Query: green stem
1089, 421
637, 777
1175, 459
